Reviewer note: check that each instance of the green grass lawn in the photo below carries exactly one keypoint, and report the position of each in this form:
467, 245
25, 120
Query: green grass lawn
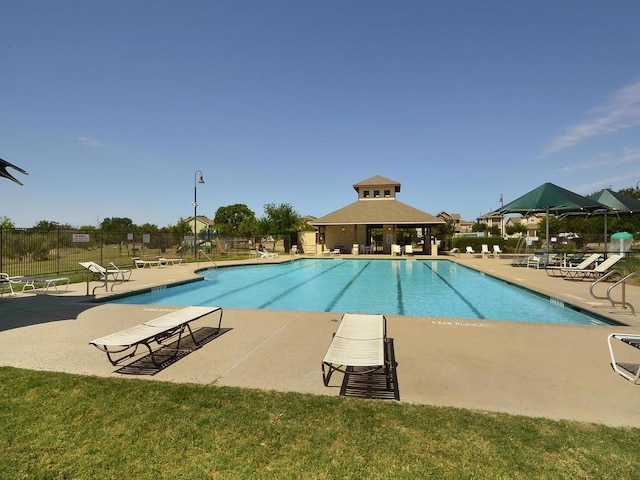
61, 426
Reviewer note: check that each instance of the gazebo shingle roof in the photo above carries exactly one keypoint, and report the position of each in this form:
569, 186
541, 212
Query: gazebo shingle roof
378, 212
377, 181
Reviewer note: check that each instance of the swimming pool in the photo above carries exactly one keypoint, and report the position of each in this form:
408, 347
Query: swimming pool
438, 288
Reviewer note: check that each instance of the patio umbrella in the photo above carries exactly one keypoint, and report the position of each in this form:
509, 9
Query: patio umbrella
617, 203
3, 171
549, 198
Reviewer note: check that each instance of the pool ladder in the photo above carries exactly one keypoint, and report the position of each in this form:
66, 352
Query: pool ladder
201, 252
622, 282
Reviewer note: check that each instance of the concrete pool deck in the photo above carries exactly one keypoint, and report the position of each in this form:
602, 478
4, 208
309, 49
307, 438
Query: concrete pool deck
541, 370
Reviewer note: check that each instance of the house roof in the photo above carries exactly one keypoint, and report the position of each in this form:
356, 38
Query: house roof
378, 211
452, 216
377, 181
202, 219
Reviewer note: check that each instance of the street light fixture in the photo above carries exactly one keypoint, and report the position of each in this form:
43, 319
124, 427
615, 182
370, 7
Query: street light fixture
195, 207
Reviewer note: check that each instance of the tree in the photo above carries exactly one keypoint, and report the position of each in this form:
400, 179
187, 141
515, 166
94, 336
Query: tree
47, 226
249, 227
630, 192
479, 227
515, 228
180, 228
445, 233
5, 222
282, 219
117, 224
115, 229
229, 219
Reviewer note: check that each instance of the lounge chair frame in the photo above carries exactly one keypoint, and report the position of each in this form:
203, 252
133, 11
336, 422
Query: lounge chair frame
30, 283
593, 273
360, 341
139, 263
102, 274
558, 271
156, 331
630, 371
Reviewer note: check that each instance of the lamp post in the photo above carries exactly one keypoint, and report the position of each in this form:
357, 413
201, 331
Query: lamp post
195, 208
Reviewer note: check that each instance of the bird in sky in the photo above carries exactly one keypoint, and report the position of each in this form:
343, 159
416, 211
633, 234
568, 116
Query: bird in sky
3, 171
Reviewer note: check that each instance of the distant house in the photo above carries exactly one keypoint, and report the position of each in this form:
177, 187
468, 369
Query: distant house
492, 219
530, 222
375, 220
460, 225
201, 223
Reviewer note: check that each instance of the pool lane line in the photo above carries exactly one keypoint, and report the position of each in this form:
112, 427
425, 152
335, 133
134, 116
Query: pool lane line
254, 284
298, 285
457, 292
399, 291
333, 302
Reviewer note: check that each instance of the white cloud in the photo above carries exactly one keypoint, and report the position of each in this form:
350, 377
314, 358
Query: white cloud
605, 161
92, 142
622, 111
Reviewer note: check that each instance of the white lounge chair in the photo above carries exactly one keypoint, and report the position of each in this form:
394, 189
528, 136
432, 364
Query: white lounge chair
497, 250
4, 281
558, 271
470, 250
408, 249
45, 283
595, 272
266, 254
163, 262
485, 250
117, 272
114, 276
630, 371
359, 341
156, 331
396, 249
139, 263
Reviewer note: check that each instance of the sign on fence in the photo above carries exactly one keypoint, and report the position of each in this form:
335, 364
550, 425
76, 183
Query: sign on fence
80, 237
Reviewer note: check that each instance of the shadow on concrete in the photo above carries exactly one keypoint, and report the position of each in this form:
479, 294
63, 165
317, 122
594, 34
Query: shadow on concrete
167, 355
21, 311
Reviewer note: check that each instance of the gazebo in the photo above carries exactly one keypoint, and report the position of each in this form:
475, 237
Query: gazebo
376, 221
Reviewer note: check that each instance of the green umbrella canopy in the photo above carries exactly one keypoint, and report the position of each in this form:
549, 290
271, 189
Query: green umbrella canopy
616, 202
551, 198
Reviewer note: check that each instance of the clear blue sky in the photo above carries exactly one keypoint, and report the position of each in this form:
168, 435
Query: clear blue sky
112, 106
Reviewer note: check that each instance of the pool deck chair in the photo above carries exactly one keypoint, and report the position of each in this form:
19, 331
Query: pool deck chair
139, 263
46, 283
558, 271
153, 332
360, 341
113, 276
164, 262
595, 272
630, 371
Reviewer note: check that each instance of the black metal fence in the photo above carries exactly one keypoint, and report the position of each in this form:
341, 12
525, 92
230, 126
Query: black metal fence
40, 252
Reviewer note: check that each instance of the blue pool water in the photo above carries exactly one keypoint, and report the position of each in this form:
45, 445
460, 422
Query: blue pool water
437, 288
